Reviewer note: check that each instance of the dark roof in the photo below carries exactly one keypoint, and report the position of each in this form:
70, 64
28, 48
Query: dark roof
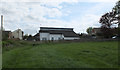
6, 32
67, 32
36, 34
70, 34
53, 28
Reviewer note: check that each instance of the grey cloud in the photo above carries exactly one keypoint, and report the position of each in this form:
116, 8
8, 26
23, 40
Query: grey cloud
9, 21
6, 11
30, 17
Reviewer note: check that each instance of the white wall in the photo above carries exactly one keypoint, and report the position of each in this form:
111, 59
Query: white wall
71, 38
56, 36
17, 34
44, 35
51, 36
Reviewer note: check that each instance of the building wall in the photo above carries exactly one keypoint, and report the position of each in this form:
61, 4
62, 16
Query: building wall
37, 38
5, 35
17, 34
71, 38
96, 31
56, 37
47, 36
44, 36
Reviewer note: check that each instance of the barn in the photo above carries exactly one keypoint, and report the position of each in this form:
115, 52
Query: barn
51, 33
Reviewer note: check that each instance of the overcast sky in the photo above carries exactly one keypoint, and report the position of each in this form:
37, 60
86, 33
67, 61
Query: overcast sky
30, 15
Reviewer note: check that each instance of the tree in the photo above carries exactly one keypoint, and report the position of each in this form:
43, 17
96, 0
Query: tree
25, 37
108, 19
89, 30
116, 11
106, 24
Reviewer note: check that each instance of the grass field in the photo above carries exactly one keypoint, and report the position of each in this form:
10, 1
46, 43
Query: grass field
61, 55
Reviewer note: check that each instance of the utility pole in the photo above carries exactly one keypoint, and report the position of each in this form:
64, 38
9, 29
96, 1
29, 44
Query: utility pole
1, 41
1, 22
1, 28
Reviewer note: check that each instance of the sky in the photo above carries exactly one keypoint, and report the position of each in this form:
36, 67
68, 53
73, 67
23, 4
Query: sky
30, 15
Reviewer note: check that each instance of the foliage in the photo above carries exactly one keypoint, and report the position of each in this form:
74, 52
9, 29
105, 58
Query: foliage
26, 36
108, 19
116, 11
5, 36
117, 8
119, 33
89, 30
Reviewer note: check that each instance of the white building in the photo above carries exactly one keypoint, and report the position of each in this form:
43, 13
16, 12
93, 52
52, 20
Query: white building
47, 33
17, 34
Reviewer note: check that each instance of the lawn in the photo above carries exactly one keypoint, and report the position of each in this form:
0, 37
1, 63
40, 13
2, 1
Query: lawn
61, 55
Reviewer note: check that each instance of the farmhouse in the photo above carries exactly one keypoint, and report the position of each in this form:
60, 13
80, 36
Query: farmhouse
50, 33
17, 34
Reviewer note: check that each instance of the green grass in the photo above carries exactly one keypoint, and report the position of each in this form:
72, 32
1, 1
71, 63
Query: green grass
61, 55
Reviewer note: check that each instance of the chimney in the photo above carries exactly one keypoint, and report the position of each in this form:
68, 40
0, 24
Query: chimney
1, 22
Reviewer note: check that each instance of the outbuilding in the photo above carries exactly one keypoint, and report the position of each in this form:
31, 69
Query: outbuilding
51, 33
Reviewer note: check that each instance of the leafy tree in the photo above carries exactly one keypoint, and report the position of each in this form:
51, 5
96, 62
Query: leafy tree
25, 37
108, 19
116, 11
106, 24
89, 30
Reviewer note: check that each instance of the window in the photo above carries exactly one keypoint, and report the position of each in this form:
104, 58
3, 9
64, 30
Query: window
52, 38
59, 38
44, 39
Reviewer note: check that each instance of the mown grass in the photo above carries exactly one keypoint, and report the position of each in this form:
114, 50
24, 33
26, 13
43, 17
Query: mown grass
61, 55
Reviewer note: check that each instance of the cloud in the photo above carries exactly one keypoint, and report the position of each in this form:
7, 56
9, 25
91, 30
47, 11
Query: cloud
89, 20
92, 16
59, 1
27, 15
31, 15
45, 1
101, 0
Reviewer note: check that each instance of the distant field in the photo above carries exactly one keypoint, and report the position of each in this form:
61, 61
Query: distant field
60, 55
